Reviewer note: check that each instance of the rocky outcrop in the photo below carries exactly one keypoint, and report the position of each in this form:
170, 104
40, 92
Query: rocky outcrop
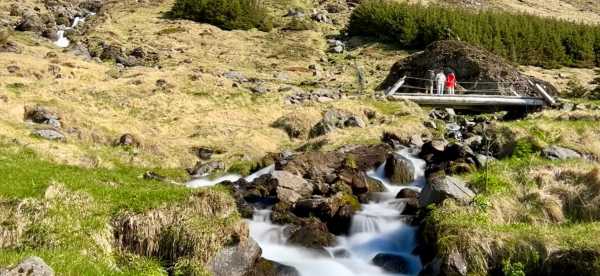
439, 188
572, 262
265, 267
326, 186
32, 266
475, 68
451, 264
49, 134
42, 115
237, 260
203, 169
296, 126
399, 170
559, 153
312, 234
333, 119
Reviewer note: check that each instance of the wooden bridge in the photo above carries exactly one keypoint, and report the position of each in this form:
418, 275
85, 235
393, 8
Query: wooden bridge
474, 101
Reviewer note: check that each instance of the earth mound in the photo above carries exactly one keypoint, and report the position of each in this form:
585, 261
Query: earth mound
478, 71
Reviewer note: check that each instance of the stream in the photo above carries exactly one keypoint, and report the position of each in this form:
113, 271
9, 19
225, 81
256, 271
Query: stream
377, 228
63, 41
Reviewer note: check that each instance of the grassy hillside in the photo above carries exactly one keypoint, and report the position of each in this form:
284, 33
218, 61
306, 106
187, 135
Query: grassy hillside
63, 201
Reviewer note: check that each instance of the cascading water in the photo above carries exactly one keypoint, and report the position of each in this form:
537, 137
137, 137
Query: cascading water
63, 41
378, 228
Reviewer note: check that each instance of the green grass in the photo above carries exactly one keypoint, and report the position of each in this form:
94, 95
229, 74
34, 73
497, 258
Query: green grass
122, 188
520, 243
67, 225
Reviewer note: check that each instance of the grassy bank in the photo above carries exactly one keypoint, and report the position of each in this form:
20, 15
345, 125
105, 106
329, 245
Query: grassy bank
527, 207
66, 214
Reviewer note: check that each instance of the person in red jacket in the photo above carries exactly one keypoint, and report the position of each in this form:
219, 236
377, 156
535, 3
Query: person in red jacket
451, 83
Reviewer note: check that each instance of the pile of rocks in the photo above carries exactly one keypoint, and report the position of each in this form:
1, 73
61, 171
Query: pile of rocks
49, 121
333, 119
55, 15
316, 193
319, 95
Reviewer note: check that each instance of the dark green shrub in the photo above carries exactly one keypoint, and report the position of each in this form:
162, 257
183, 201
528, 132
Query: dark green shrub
226, 14
522, 38
575, 89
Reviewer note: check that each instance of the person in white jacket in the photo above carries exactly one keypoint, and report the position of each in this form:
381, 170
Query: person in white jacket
440, 80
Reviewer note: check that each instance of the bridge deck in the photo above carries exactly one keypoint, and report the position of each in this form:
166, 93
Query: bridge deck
471, 101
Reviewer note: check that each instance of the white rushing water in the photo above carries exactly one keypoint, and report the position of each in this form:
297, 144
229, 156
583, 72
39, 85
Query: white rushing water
377, 228
63, 41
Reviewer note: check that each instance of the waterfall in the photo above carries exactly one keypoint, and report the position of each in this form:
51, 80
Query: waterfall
64, 42
377, 228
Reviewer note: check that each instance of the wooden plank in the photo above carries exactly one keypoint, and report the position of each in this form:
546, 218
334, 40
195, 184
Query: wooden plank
396, 86
467, 100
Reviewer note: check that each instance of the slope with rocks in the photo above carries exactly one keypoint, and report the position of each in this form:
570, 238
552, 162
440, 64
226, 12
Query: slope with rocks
86, 130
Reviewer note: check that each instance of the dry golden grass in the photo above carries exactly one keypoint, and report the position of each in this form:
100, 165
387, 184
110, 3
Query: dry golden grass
98, 102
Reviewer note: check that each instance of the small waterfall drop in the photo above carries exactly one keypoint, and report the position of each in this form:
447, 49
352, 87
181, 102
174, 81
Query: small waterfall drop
377, 228
63, 41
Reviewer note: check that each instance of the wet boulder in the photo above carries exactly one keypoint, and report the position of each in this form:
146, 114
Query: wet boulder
432, 150
32, 266
312, 234
407, 193
560, 153
441, 187
237, 260
316, 206
399, 170
290, 187
360, 182
266, 267
392, 263
342, 220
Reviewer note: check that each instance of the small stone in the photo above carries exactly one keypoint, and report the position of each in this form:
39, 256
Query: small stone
127, 140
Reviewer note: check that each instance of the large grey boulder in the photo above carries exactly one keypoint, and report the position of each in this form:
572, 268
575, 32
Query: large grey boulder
399, 169
392, 263
32, 266
560, 153
49, 134
439, 188
237, 260
290, 187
